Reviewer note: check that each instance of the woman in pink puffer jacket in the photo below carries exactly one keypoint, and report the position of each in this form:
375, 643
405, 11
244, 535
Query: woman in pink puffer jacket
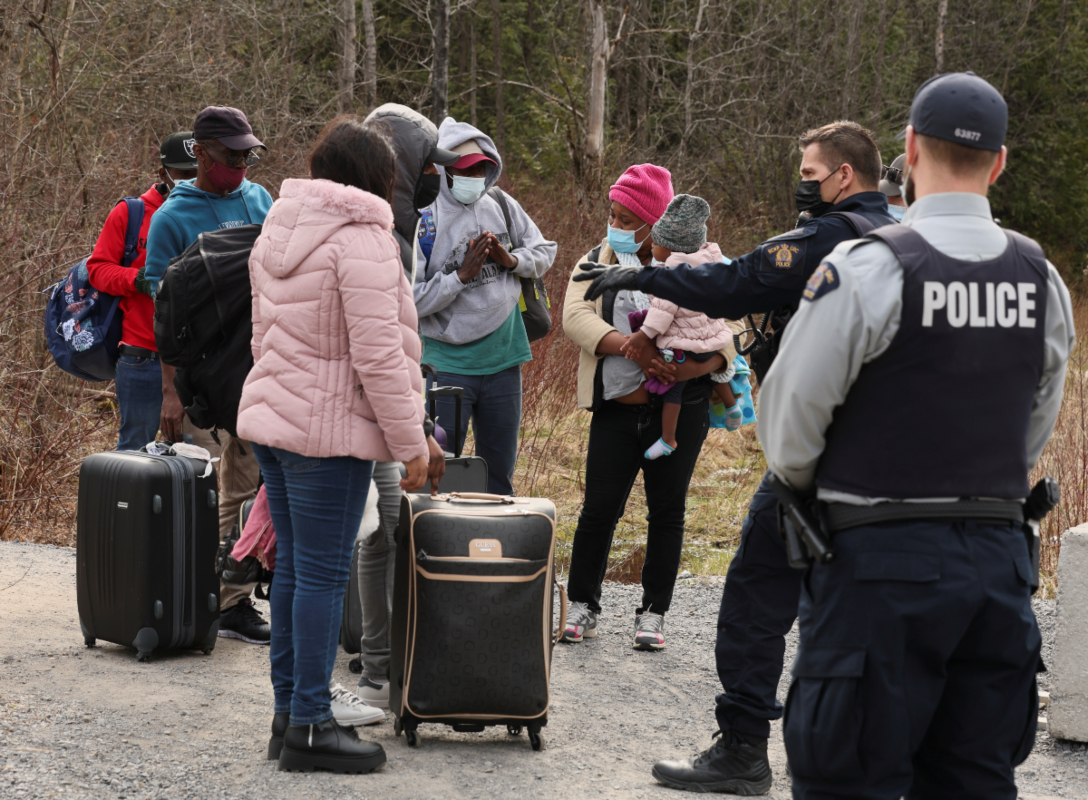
335, 386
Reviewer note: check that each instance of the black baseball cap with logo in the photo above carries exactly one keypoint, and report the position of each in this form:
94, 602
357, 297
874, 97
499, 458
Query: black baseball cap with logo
228, 125
176, 151
960, 107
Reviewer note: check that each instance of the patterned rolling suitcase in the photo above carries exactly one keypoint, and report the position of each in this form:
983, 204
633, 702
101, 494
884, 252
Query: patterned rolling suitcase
147, 531
472, 613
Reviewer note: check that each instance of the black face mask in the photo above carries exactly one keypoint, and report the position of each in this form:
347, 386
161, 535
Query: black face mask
807, 197
427, 188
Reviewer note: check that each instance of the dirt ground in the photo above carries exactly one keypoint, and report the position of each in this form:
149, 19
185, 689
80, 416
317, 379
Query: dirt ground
93, 723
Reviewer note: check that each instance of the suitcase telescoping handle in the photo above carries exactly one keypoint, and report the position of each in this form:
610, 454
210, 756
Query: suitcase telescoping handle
456, 392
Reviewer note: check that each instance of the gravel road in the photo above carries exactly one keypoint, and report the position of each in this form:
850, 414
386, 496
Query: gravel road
93, 723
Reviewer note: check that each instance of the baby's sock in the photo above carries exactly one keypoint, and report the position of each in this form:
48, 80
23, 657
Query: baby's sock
734, 417
658, 449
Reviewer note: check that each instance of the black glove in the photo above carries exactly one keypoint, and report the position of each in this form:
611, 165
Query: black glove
606, 278
144, 285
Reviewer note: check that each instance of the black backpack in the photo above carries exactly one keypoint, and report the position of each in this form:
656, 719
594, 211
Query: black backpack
203, 325
204, 294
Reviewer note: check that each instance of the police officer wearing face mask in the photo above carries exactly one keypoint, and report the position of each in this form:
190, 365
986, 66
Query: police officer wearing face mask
916, 670
840, 170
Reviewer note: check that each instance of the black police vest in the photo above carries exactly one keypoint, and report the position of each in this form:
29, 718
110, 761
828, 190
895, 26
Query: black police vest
944, 411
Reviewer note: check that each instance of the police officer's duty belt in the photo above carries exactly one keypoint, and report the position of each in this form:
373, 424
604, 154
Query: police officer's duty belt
841, 516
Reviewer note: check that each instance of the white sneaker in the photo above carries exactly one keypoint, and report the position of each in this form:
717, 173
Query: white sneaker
373, 693
349, 710
649, 631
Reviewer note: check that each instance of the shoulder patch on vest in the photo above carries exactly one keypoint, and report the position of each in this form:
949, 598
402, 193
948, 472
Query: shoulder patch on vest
825, 279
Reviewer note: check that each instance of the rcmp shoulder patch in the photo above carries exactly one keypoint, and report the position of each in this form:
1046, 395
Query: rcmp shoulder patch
784, 256
825, 279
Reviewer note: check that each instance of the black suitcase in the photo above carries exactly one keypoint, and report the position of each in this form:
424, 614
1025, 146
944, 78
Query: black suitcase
472, 613
147, 530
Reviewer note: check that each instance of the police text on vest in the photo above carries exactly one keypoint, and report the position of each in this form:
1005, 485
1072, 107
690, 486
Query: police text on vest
979, 305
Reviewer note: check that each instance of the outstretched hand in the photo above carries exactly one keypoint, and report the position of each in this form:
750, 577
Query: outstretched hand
606, 278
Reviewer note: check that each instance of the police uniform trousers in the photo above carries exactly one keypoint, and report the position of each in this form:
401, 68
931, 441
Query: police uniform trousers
916, 672
759, 606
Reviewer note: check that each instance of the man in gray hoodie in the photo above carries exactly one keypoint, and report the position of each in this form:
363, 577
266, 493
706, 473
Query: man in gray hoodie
467, 287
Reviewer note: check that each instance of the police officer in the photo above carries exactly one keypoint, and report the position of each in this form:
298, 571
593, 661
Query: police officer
931, 359
838, 195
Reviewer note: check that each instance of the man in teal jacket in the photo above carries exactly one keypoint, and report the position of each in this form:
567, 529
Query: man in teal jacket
219, 197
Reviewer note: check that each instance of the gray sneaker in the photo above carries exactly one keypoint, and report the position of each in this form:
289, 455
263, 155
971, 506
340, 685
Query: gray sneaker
649, 631
349, 710
581, 623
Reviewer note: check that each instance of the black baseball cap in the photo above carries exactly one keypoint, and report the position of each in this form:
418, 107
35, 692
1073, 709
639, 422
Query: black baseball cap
176, 151
960, 107
228, 125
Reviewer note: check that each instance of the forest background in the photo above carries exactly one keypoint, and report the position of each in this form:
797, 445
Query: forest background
572, 92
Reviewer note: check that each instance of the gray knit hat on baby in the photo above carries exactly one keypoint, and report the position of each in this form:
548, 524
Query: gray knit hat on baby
682, 228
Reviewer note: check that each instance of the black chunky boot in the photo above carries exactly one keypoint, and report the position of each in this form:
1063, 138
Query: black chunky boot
736, 763
328, 746
280, 721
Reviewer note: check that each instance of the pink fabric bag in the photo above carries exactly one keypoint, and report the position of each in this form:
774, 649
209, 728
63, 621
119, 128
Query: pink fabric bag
259, 537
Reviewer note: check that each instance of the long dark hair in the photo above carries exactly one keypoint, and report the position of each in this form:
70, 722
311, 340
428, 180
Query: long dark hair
355, 153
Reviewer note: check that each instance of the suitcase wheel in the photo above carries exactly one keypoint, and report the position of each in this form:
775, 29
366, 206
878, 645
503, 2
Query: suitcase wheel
90, 641
356, 666
143, 655
412, 737
513, 730
536, 740
398, 728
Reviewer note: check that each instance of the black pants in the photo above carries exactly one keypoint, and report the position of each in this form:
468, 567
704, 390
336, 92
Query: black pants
916, 672
618, 437
759, 605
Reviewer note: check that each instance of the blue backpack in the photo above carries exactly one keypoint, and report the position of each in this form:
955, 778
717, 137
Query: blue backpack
82, 324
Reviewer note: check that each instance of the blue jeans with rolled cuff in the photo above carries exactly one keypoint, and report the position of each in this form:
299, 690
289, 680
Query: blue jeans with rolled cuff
138, 384
316, 506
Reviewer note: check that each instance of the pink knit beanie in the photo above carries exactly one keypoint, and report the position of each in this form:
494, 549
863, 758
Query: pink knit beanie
646, 189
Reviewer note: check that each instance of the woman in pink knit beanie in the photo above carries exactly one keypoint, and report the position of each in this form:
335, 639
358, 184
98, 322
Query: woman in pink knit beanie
625, 423
639, 198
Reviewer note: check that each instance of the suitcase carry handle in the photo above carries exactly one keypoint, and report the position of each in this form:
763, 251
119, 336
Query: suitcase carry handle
562, 609
492, 498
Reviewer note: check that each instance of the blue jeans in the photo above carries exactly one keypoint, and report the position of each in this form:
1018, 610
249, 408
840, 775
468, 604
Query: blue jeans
493, 403
139, 394
316, 506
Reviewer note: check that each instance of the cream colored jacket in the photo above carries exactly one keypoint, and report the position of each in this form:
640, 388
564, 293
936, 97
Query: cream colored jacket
583, 325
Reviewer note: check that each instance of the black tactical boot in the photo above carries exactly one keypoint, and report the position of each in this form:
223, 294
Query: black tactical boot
280, 721
328, 746
736, 764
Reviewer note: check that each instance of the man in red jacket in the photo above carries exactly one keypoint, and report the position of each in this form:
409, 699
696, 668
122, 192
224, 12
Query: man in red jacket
139, 375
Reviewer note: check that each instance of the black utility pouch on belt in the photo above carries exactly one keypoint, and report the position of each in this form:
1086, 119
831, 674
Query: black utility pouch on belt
1045, 495
799, 523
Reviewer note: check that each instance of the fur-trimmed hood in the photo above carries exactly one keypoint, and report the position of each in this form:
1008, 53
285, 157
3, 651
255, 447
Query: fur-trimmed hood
310, 211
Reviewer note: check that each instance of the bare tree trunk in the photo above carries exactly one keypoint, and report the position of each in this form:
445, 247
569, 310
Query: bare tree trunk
878, 63
942, 18
440, 69
853, 48
642, 106
345, 96
496, 36
370, 60
598, 72
691, 77
472, 62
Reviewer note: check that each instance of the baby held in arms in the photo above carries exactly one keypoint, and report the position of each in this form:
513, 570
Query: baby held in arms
680, 238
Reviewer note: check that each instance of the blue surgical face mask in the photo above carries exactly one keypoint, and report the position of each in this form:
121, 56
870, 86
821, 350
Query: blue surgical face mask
897, 212
622, 241
467, 190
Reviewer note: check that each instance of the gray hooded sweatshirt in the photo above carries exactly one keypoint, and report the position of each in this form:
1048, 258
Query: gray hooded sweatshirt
459, 313
414, 137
